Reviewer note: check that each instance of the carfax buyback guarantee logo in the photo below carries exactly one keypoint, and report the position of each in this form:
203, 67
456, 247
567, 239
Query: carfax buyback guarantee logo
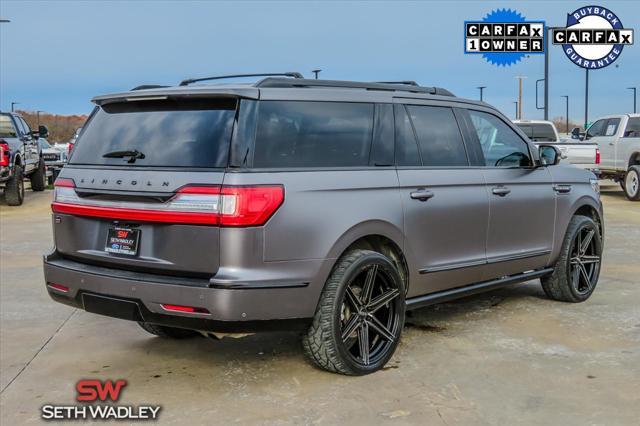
593, 38
504, 37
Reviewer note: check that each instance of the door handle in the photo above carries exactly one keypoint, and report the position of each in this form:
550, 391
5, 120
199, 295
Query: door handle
421, 194
501, 190
562, 189
611, 143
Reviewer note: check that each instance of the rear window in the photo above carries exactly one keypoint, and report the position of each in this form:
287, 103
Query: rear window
168, 133
538, 132
7, 129
313, 134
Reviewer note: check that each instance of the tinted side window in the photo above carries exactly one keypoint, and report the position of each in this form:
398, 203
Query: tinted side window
313, 134
438, 135
502, 147
612, 127
596, 129
26, 127
633, 128
406, 144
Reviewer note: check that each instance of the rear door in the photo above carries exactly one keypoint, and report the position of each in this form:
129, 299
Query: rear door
445, 204
148, 167
522, 198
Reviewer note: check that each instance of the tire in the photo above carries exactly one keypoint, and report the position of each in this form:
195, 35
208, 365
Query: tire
14, 188
380, 312
631, 183
167, 332
39, 178
574, 264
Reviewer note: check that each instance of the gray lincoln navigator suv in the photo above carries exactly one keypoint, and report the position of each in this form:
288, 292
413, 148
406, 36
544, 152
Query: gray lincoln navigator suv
330, 207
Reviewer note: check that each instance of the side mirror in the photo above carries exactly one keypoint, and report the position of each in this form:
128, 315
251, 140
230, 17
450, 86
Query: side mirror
549, 155
43, 131
575, 133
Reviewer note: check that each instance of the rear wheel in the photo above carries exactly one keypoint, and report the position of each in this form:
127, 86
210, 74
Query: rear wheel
577, 270
360, 315
167, 332
14, 188
631, 183
39, 177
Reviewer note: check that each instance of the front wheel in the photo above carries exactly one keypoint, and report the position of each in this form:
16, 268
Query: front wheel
577, 270
39, 177
631, 183
360, 315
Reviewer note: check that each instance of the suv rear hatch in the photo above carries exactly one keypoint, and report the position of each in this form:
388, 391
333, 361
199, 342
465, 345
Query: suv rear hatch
142, 190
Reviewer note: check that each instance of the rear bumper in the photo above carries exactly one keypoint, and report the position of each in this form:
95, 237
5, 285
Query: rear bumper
231, 309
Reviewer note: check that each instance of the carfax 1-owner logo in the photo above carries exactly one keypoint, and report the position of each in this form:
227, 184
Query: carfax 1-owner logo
593, 38
504, 37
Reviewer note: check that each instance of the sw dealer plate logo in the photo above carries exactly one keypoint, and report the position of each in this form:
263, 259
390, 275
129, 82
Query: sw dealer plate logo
504, 37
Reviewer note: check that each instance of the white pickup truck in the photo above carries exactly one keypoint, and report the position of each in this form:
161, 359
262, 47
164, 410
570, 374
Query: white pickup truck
582, 154
618, 137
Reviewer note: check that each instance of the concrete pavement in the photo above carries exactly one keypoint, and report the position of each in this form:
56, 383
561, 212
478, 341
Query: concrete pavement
505, 357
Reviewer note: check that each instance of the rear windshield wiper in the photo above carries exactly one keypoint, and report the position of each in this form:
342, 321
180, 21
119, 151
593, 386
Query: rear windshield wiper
132, 154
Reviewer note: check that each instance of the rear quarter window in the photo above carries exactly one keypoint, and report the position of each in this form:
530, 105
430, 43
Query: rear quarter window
170, 133
294, 134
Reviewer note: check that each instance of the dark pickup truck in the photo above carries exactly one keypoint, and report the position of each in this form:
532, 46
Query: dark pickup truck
20, 157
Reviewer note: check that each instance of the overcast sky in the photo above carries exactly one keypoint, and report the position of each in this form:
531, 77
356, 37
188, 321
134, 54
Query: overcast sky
56, 55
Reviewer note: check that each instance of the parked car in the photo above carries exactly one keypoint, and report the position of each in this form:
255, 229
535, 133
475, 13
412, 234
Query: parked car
582, 154
54, 158
326, 206
618, 137
20, 157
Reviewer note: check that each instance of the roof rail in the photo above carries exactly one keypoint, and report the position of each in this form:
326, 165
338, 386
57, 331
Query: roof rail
391, 87
407, 82
292, 74
148, 86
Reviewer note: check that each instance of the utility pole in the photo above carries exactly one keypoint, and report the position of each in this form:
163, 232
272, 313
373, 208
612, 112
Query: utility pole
12, 104
517, 117
481, 90
520, 78
586, 98
634, 98
316, 72
567, 113
38, 118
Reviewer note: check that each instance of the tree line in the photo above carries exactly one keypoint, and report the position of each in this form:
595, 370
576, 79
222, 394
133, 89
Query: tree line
61, 127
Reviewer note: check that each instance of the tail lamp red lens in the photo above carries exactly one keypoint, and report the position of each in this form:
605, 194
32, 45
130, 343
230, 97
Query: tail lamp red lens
70, 148
186, 309
4, 153
224, 205
59, 287
597, 156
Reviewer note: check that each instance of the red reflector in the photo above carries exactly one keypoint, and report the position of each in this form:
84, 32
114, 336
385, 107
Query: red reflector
58, 287
597, 156
187, 309
4, 153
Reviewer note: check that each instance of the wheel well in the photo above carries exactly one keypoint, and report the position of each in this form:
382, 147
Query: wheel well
590, 212
18, 161
634, 159
387, 247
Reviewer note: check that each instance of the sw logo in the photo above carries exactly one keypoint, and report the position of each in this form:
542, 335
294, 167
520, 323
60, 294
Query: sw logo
94, 392
90, 390
593, 38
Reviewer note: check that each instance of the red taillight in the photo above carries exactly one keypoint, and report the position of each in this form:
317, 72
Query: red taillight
195, 204
187, 309
4, 153
59, 287
597, 156
70, 148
